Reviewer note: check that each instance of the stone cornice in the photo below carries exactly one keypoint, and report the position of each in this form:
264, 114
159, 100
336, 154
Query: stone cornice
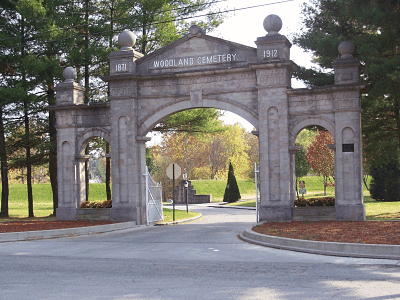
92, 105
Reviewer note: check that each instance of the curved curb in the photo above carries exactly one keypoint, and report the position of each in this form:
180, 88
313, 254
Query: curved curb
56, 233
323, 248
180, 221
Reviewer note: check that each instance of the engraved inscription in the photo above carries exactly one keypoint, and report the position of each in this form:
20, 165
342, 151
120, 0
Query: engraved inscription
271, 53
120, 68
193, 61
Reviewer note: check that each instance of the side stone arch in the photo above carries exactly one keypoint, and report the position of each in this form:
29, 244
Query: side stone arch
85, 136
152, 119
299, 125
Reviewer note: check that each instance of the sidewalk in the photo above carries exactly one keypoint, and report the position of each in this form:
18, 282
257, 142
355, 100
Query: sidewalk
56, 233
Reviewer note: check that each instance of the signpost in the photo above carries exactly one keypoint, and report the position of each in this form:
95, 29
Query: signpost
256, 184
173, 172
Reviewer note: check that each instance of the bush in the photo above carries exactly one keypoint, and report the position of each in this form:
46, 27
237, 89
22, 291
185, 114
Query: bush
385, 182
325, 201
97, 204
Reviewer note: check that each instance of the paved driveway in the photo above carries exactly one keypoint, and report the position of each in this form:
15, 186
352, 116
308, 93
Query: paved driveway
199, 260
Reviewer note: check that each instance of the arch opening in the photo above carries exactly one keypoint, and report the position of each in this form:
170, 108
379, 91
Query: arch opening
205, 156
96, 165
314, 167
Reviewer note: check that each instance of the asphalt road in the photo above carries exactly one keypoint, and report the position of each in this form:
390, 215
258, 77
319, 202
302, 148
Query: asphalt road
203, 259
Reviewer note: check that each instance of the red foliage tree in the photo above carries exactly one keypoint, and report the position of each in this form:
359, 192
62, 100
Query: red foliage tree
321, 158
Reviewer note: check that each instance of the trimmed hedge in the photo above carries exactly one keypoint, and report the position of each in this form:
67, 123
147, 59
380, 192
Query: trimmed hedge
325, 201
98, 204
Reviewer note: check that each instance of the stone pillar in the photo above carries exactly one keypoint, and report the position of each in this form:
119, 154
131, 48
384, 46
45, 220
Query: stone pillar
126, 166
293, 151
80, 179
69, 94
348, 152
274, 71
141, 210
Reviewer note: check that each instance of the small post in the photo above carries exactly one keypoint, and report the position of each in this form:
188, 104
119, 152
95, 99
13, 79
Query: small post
173, 192
185, 190
256, 185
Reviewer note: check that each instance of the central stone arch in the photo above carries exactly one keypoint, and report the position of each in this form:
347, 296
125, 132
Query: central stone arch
198, 71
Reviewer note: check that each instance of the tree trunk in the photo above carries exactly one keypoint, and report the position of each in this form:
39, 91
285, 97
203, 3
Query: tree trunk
53, 148
108, 172
4, 169
86, 51
28, 159
27, 142
87, 173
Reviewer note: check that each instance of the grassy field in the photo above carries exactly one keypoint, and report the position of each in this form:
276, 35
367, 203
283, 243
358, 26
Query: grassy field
179, 215
42, 197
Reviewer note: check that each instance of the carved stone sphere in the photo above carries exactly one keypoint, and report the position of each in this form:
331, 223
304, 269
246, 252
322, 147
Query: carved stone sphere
346, 49
194, 29
69, 74
126, 39
272, 24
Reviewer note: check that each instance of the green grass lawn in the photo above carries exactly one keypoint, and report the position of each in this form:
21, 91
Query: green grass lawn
179, 215
43, 201
43, 207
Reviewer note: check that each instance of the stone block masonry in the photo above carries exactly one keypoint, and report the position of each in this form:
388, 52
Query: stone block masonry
199, 71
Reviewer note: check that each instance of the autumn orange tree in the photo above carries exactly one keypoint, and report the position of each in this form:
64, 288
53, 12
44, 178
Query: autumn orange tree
321, 158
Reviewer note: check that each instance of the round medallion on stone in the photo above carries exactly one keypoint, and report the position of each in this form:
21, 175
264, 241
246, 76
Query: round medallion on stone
272, 24
346, 49
126, 39
69, 74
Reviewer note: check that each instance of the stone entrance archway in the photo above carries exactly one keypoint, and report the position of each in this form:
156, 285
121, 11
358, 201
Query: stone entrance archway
197, 71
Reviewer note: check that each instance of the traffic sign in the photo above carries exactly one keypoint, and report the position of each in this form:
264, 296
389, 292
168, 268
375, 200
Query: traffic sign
172, 169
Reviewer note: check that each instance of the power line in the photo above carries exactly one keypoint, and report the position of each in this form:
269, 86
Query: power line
156, 23
108, 20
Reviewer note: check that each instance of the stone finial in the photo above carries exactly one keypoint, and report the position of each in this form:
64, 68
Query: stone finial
126, 40
196, 30
69, 74
346, 49
272, 24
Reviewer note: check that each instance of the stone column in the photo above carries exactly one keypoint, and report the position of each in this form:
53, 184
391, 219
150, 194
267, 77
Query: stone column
80, 181
293, 151
348, 152
126, 172
141, 212
69, 94
274, 70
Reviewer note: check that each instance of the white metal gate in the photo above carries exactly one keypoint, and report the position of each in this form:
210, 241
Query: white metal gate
154, 209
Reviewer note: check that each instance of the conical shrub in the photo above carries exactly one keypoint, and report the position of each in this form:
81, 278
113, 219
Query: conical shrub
232, 193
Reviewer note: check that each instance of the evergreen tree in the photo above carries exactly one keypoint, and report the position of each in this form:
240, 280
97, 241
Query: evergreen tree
232, 193
385, 182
